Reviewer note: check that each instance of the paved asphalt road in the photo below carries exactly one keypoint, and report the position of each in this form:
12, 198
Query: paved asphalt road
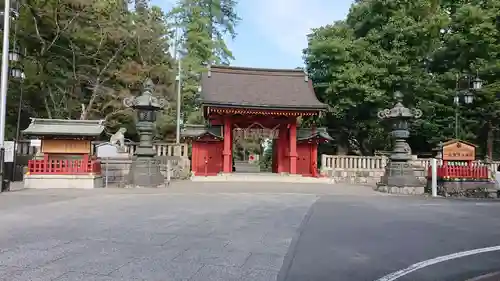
247, 231
357, 238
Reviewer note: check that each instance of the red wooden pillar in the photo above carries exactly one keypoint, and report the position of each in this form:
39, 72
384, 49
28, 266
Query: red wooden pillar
227, 163
231, 146
194, 157
275, 156
314, 155
293, 147
281, 147
314, 159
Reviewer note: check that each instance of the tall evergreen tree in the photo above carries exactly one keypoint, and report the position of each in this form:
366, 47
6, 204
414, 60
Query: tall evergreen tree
415, 46
203, 26
83, 57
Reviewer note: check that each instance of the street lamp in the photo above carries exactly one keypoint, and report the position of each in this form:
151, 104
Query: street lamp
4, 78
14, 9
468, 97
16, 73
477, 83
465, 91
10, 11
19, 76
14, 55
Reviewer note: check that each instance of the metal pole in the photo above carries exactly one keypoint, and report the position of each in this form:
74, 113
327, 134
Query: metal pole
456, 100
3, 187
5, 71
178, 128
19, 109
179, 80
18, 131
3, 87
434, 177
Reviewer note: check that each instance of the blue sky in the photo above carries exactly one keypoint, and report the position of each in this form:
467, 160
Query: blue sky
272, 33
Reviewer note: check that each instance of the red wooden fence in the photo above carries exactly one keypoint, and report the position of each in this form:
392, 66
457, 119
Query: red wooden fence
461, 172
63, 167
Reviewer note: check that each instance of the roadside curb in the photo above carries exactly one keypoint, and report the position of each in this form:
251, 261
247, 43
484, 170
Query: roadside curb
290, 255
495, 276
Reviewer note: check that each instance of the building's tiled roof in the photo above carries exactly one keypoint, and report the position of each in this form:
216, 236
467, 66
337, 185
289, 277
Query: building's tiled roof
195, 131
260, 88
309, 133
63, 127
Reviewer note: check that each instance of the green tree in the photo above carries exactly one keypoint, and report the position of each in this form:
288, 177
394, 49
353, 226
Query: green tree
203, 26
471, 45
413, 46
83, 57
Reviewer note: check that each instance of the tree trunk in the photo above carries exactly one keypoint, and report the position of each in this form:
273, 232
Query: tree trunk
342, 149
490, 139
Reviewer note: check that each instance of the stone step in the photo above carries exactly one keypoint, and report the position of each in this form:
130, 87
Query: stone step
264, 177
257, 174
246, 167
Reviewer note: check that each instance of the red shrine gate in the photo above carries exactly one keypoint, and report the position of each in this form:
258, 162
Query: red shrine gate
244, 101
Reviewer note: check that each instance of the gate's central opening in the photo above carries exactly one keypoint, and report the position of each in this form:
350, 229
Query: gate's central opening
252, 123
253, 145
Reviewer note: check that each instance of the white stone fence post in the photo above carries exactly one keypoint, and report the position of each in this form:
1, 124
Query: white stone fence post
369, 169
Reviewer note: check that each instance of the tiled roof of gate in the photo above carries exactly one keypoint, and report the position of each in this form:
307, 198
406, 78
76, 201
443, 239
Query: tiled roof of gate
194, 131
63, 127
308, 133
261, 88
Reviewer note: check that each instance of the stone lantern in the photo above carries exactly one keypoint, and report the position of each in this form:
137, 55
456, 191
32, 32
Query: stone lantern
145, 168
399, 171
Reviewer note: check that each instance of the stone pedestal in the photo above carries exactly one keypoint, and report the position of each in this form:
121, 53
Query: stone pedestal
398, 178
145, 172
62, 181
400, 174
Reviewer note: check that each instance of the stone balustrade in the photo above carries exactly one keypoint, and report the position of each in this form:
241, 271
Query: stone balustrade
329, 162
161, 148
369, 169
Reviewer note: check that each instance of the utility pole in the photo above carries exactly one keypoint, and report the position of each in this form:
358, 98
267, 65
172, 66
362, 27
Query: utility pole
211, 30
456, 121
179, 87
5, 72
456, 101
3, 88
179, 96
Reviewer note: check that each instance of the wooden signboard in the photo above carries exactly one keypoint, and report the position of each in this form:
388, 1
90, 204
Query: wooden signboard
456, 150
66, 146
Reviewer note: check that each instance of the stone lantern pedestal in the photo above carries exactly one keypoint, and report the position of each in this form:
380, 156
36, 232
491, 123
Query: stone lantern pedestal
145, 172
145, 167
399, 176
